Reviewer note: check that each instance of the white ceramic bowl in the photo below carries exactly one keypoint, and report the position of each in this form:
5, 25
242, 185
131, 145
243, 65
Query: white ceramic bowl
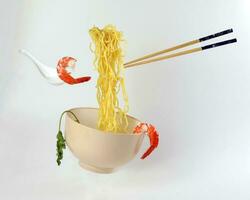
96, 150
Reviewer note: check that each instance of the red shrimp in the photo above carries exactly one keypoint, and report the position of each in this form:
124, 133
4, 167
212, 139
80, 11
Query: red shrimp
64, 75
153, 135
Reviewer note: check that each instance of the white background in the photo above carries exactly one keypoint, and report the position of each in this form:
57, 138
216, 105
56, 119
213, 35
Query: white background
198, 102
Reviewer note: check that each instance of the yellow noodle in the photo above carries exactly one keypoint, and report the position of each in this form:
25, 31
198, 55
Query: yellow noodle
109, 64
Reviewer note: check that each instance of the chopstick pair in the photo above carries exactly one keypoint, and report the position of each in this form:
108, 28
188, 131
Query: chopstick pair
145, 59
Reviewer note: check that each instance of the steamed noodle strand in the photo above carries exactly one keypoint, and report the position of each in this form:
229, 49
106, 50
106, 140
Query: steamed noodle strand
109, 64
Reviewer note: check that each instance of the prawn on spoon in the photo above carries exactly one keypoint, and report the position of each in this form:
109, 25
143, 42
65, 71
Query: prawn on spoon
61, 74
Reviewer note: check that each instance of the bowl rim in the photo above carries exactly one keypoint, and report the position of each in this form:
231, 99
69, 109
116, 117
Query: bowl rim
100, 131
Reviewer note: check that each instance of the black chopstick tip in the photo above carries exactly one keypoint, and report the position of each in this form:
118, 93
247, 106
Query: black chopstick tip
216, 35
219, 44
230, 30
231, 41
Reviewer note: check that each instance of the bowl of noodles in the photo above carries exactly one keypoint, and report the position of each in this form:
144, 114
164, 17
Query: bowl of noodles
105, 138
96, 150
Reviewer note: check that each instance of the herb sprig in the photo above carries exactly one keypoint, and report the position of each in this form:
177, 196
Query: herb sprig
61, 142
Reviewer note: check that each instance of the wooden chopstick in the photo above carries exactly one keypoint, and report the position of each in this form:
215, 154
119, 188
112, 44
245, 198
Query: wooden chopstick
180, 46
183, 53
